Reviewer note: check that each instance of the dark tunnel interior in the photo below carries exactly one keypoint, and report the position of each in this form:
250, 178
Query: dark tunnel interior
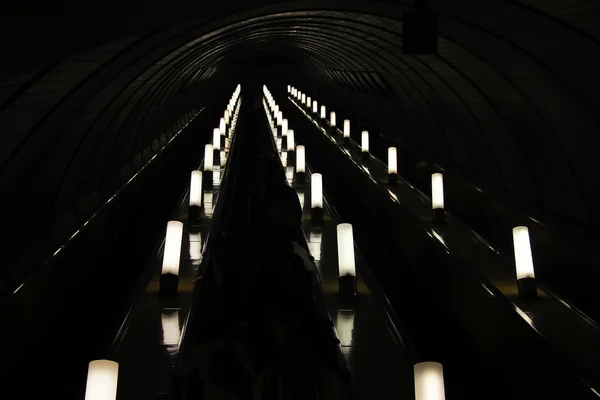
508, 105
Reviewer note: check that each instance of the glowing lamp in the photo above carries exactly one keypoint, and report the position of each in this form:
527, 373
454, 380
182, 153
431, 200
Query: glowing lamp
227, 116
437, 197
300, 164
346, 264
303, 98
524, 263
208, 157
345, 326
323, 112
429, 381
222, 126
169, 278
216, 139
289, 89
364, 145
279, 118
290, 140
195, 206
102, 380
284, 127
308, 102
316, 198
392, 166
346, 129
315, 107
332, 119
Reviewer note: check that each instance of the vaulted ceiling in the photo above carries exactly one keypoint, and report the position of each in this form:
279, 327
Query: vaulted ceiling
511, 98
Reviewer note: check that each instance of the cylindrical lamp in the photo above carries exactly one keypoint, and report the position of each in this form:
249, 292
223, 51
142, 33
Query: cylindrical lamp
308, 102
346, 264
284, 127
227, 116
289, 88
169, 278
437, 197
102, 379
195, 207
332, 120
346, 129
429, 381
216, 139
524, 263
290, 140
208, 165
222, 126
303, 98
323, 112
315, 107
316, 198
300, 164
392, 166
364, 145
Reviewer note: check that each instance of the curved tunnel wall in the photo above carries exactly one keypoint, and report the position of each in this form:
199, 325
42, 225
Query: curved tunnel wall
510, 100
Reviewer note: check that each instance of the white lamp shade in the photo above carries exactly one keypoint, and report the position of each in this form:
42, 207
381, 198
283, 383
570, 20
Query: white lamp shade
303, 99
216, 139
392, 160
284, 127
300, 160
308, 102
172, 251
364, 143
227, 116
276, 110
346, 128
279, 118
222, 125
345, 242
102, 379
437, 191
170, 325
208, 157
323, 112
429, 381
332, 118
290, 140
289, 88
196, 189
316, 191
523, 256
315, 107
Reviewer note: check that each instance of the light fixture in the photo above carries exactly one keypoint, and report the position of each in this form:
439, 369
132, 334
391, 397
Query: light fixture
346, 264
208, 165
290, 140
346, 130
524, 263
169, 319
227, 116
323, 112
300, 164
308, 102
303, 98
315, 107
392, 166
316, 198
195, 207
332, 119
216, 139
289, 89
279, 118
102, 379
345, 326
284, 127
364, 146
222, 126
169, 278
437, 197
429, 381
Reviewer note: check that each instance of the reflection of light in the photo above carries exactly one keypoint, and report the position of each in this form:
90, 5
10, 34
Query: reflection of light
223, 158
170, 326
316, 191
523, 257
429, 381
364, 146
284, 127
195, 251
196, 189
172, 250
323, 112
102, 380
208, 206
346, 128
289, 174
284, 158
290, 140
345, 326
278, 141
314, 242
301, 198
208, 157
332, 118
392, 161
438, 237
393, 195
437, 191
300, 160
195, 237
345, 242
279, 118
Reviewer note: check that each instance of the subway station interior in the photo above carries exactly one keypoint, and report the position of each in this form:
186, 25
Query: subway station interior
383, 199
